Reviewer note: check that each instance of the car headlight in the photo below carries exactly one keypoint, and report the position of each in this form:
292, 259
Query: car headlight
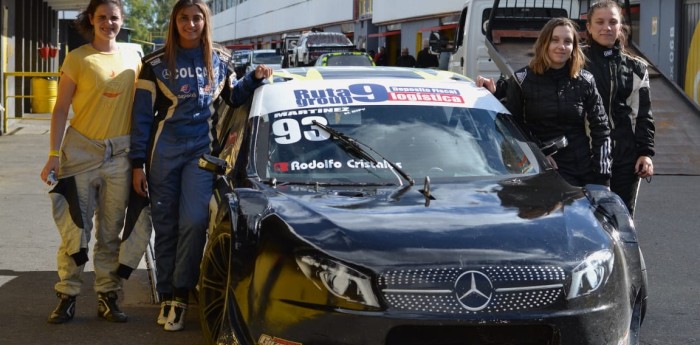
591, 274
340, 280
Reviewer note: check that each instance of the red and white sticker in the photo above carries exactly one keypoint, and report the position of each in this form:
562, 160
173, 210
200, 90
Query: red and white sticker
270, 340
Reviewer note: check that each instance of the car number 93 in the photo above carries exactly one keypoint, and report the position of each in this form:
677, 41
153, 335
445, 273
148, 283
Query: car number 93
288, 131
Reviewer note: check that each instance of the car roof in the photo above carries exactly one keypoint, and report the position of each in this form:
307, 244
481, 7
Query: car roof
323, 36
323, 33
344, 53
264, 51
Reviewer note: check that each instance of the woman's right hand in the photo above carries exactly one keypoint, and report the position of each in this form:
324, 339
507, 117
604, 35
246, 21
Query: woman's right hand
138, 179
51, 164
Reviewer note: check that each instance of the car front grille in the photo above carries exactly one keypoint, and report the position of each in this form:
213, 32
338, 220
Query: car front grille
490, 289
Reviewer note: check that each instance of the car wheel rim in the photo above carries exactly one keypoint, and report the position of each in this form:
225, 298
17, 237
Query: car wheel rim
215, 318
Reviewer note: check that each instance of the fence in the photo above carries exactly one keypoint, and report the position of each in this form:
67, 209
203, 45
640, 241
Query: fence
41, 93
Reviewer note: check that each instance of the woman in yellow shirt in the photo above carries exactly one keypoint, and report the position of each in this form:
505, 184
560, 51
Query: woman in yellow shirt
90, 160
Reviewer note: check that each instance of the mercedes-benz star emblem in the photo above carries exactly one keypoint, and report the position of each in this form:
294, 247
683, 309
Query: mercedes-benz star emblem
473, 290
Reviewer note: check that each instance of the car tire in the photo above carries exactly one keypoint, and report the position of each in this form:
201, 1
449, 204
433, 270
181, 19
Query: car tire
638, 311
218, 313
640, 306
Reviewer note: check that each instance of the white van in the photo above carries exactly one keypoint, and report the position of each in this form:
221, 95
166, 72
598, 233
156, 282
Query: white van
134, 46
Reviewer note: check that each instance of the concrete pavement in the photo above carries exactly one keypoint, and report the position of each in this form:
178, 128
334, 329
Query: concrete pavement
666, 221
28, 245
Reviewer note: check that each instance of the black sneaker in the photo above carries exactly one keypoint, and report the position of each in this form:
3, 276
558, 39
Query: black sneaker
107, 307
65, 310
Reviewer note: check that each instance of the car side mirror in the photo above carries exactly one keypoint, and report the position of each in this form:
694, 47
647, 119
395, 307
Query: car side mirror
552, 146
213, 164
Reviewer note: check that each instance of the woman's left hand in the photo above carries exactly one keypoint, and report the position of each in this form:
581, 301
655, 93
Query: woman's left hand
487, 83
262, 72
644, 167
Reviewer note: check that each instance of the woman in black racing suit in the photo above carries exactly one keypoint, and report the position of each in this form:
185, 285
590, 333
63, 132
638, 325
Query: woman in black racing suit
554, 96
623, 83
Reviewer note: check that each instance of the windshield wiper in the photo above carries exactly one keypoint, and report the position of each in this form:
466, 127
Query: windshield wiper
352, 146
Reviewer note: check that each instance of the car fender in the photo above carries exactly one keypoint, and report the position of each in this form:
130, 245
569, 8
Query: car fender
610, 205
218, 211
250, 205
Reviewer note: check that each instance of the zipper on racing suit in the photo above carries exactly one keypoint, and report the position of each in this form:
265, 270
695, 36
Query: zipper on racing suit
611, 96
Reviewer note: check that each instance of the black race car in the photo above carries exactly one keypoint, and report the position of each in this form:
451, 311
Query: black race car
406, 206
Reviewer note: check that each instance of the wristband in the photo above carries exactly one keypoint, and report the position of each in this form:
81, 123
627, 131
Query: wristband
53, 153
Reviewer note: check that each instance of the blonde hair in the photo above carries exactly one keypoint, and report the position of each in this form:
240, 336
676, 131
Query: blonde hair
173, 38
541, 61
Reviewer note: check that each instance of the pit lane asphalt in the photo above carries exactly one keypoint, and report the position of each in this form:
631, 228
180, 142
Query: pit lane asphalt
666, 220
28, 244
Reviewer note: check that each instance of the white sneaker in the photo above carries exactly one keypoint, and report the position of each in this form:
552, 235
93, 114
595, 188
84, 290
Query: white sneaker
164, 310
176, 317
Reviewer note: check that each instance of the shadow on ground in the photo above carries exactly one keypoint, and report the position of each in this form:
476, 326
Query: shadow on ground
28, 298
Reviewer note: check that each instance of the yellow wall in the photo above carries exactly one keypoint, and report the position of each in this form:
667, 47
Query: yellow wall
692, 70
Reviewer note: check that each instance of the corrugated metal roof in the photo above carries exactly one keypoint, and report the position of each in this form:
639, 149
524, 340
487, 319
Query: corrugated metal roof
67, 5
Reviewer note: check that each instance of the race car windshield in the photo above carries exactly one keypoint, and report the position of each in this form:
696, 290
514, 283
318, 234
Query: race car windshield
266, 58
354, 147
436, 141
347, 60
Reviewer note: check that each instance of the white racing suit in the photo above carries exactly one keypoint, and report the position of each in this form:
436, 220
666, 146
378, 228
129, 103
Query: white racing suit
136, 234
94, 183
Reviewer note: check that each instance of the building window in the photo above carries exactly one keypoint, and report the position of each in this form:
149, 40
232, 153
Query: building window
365, 8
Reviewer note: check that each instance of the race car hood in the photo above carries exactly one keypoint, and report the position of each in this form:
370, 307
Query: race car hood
534, 218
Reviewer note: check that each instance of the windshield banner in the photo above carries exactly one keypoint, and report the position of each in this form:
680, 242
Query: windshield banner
328, 93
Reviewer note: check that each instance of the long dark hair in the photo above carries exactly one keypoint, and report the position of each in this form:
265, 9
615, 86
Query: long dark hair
173, 38
624, 28
82, 22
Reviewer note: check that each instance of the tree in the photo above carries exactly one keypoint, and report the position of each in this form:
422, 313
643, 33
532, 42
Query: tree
148, 19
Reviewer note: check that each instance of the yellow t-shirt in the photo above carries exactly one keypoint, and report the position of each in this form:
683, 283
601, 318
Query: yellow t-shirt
104, 95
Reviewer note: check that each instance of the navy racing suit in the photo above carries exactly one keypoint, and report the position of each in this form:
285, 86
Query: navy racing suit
173, 124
